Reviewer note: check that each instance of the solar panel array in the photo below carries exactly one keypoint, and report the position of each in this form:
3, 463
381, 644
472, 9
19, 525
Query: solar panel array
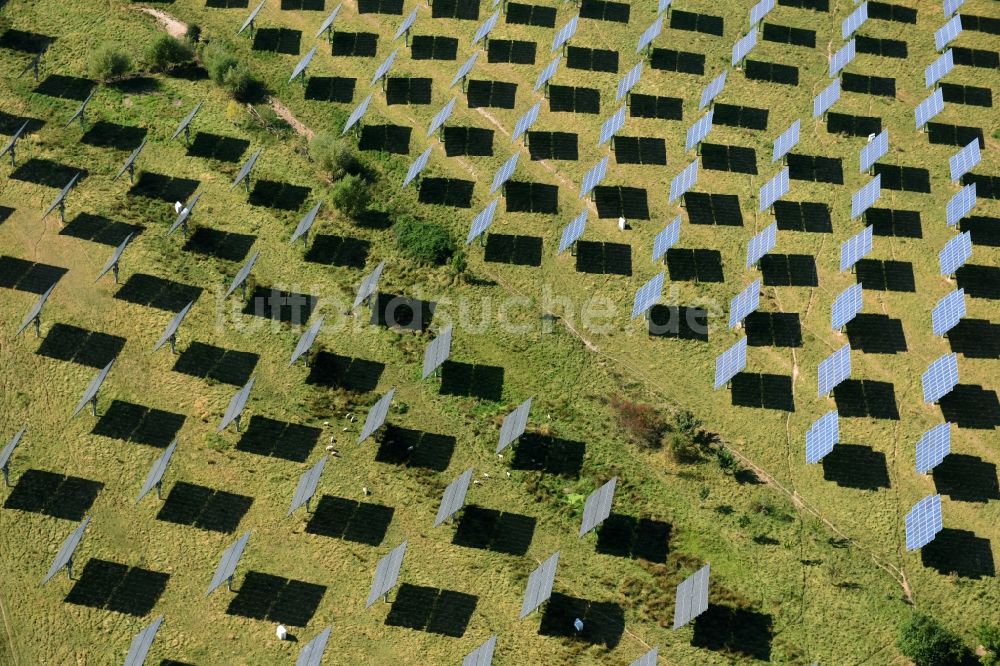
692, 597
667, 238
629, 81
923, 522
712, 90
437, 352
547, 73
306, 223
407, 23
684, 181
311, 653
594, 177
598, 506
186, 122
699, 130
855, 248
759, 11
761, 244
866, 196
155, 476
539, 587
172, 327
482, 221
961, 204
873, 151
854, 21
573, 231
356, 115
236, 405
940, 68
565, 33
442, 116
842, 58
933, 447
300, 68
454, 497
612, 126
525, 122
418, 165
228, 562
505, 172
647, 295
369, 285
649, 34
940, 378
846, 306
306, 487
948, 32
788, 140
376, 416
773, 190
743, 46
139, 648
464, 70
384, 68
730, 363
514, 424
930, 107
833, 370
242, 274
482, 655
948, 312
34, 314
251, 18
955, 253
90, 393
744, 303
65, 554
827, 98
8, 449
822, 436
486, 28
386, 574
964, 161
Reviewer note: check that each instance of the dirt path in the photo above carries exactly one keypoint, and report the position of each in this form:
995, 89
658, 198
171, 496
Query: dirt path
290, 118
173, 27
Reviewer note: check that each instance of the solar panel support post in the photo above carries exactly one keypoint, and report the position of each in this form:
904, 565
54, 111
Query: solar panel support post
37, 321
13, 150
6, 474
187, 135
173, 343
93, 405
62, 210
69, 567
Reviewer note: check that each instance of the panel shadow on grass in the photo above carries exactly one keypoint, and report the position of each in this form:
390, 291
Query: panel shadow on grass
816, 168
112, 135
678, 321
975, 338
263, 596
472, 380
856, 466
603, 258
393, 139
789, 270
694, 265
70, 343
500, 532
99, 229
531, 197
709, 208
414, 448
46, 172
117, 587
277, 40
350, 520
279, 439
984, 230
204, 508
53, 494
5, 213
808, 216
431, 609
157, 292
960, 552
446, 192
904, 178
603, 621
338, 89
620, 201
764, 391
331, 250
227, 366
966, 478
979, 281
227, 4
885, 275
514, 250
65, 87
548, 454
773, 329
866, 397
166, 188
393, 311
10, 123
24, 41
277, 195
876, 334
216, 147
971, 406
353, 374
276, 304
226, 245
28, 276
728, 629
138, 424
895, 223
637, 538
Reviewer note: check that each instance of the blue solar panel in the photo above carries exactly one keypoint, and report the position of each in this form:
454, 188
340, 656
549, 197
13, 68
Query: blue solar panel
951, 6
442, 116
866, 196
667, 238
612, 126
683, 181
940, 378
486, 27
822, 436
846, 306
565, 33
761, 244
940, 68
328, 21
955, 253
742, 47
874, 150
826, 99
417, 166
504, 173
961, 204
384, 68
464, 70
525, 122
964, 160
744, 303
773, 190
834, 369
594, 177
730, 363
573, 231
712, 90
855, 248
356, 115
930, 107
406, 24
854, 21
628, 81
301, 66
933, 447
651, 33
948, 32
547, 73
923, 522
482, 221
842, 58
948, 312
699, 130
759, 11
788, 140
662, 6
647, 295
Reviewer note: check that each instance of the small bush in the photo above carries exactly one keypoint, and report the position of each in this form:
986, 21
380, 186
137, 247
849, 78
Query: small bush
333, 154
350, 195
426, 242
107, 63
687, 423
682, 448
989, 637
193, 34
165, 51
643, 423
459, 262
928, 643
227, 71
727, 461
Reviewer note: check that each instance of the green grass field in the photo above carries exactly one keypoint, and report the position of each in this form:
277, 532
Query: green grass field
803, 569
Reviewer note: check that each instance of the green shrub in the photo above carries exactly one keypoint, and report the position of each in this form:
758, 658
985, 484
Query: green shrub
928, 643
682, 448
727, 461
107, 63
227, 71
165, 51
426, 242
193, 34
989, 636
333, 154
642, 422
459, 263
350, 195
687, 423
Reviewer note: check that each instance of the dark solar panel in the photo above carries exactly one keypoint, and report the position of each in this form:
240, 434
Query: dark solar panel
601, 10
389, 138
433, 47
468, 141
537, 15
841, 123
406, 90
740, 116
677, 61
361, 44
757, 70
652, 106
553, 146
815, 168
870, 85
976, 57
888, 12
907, 179
598, 60
574, 100
710, 25
784, 34
640, 150
497, 94
971, 95
810, 216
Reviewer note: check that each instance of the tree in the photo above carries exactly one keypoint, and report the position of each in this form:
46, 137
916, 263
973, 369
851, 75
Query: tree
107, 63
333, 154
165, 51
350, 195
426, 242
928, 643
227, 71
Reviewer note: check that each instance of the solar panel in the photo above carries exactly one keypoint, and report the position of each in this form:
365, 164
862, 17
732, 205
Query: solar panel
539, 587
594, 177
647, 295
155, 476
774, 189
940, 378
437, 352
115, 257
923, 522
306, 223
482, 221
301, 66
141, 643
744, 303
784, 143
525, 122
182, 217
12, 141
406, 24
328, 21
90, 394
252, 17
230, 559
874, 150
306, 487
171, 331
242, 275
306, 341
34, 314
948, 312
384, 68
376, 415
485, 28
855, 248
833, 370
692, 597
667, 238
854, 21
649, 34
683, 181
186, 123
629, 81
368, 285
482, 655
712, 90
454, 497
565, 33
386, 574
504, 173
742, 47
246, 168
822, 436
441, 116
547, 73
842, 58
311, 653
236, 405
64, 558
598, 506
759, 11
955, 253
964, 161
730, 363
826, 99
612, 126
464, 70
961, 204
59, 201
8, 451
951, 6
761, 244
418, 165
513, 425
699, 130
948, 32
865, 197
357, 114
930, 107
933, 447
573, 231
940, 68
662, 6
79, 113
129, 163
846, 306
